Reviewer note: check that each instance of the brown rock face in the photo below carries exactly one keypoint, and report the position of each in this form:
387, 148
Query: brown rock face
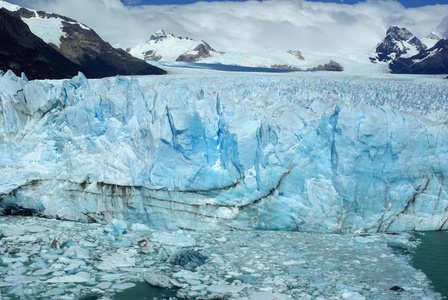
203, 50
331, 66
99, 58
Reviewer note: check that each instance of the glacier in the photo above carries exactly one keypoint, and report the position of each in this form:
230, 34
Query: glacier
298, 151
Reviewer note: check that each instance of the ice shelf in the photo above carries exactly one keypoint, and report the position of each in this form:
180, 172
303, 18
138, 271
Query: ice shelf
273, 152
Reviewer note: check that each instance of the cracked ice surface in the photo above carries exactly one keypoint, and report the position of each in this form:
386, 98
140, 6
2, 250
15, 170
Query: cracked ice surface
239, 265
298, 152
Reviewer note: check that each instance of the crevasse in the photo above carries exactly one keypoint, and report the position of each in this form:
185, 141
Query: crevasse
229, 152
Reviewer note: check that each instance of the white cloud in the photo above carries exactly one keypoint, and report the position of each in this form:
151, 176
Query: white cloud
273, 24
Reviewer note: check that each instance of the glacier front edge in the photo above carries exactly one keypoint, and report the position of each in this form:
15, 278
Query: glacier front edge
230, 152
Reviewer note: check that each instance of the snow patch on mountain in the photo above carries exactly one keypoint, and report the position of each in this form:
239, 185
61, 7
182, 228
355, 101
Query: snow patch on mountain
48, 29
431, 40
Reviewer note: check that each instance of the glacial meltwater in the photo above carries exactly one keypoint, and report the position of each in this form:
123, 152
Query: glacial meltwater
431, 256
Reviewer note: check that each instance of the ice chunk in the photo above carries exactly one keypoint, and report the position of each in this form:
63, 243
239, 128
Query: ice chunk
117, 227
352, 296
77, 252
177, 239
12, 231
224, 289
75, 266
188, 275
139, 227
163, 281
124, 286
18, 279
117, 260
268, 296
56, 292
104, 285
79, 277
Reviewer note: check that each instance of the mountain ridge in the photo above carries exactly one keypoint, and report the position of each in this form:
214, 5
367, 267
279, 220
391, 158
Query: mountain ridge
404, 53
82, 49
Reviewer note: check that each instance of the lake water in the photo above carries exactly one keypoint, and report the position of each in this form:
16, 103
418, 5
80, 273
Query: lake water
143, 291
431, 256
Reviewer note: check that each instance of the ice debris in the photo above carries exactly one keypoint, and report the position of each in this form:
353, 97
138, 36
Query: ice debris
117, 227
162, 281
248, 265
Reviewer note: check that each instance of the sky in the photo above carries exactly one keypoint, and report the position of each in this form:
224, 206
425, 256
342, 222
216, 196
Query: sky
255, 25
406, 3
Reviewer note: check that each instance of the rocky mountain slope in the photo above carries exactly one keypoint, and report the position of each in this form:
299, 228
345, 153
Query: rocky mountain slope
47, 45
399, 42
22, 51
405, 53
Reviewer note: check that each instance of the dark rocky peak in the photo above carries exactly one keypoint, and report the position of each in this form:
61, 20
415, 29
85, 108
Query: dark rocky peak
203, 51
434, 36
442, 45
29, 13
296, 53
161, 35
399, 34
397, 43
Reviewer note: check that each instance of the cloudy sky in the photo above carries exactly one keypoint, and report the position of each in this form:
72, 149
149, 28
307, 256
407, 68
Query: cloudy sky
406, 3
330, 26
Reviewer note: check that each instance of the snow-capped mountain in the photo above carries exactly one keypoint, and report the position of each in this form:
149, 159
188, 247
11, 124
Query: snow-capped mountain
82, 48
431, 61
399, 42
405, 53
432, 39
164, 46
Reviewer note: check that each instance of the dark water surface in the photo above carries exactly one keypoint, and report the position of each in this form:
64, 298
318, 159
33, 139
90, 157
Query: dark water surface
143, 290
227, 68
431, 256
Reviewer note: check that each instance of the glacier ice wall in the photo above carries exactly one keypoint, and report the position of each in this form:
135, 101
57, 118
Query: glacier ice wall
228, 152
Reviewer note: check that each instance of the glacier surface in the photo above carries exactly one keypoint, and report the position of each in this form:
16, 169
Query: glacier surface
285, 152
